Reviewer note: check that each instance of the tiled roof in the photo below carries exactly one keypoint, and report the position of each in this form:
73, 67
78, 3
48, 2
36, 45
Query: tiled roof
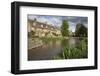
42, 25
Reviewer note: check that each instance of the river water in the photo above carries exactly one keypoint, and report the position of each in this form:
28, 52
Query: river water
51, 48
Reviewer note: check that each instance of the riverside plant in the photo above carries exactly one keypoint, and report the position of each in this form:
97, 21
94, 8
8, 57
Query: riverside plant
80, 51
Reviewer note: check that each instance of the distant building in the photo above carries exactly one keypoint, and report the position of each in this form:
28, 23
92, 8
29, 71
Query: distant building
43, 29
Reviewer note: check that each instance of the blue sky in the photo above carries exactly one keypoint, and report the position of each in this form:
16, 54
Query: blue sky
57, 20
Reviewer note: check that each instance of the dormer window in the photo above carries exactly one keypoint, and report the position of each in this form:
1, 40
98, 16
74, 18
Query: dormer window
52, 28
42, 25
34, 23
46, 26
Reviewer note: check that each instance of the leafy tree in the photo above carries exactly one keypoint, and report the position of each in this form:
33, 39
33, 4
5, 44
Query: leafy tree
64, 28
81, 30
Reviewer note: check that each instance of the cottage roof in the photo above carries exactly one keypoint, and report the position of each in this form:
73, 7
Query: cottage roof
42, 25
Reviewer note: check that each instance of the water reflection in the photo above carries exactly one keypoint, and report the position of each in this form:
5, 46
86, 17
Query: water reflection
51, 48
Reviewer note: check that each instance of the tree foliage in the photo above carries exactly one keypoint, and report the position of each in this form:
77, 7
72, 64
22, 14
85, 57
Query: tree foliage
64, 28
81, 30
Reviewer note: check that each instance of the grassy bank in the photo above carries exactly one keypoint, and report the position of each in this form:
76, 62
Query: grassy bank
80, 51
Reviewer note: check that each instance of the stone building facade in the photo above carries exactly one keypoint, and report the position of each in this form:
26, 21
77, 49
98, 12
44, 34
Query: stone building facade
43, 29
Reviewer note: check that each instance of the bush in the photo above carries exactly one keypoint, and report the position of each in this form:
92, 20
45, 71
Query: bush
77, 52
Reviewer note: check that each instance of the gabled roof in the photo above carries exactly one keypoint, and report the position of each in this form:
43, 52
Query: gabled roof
42, 25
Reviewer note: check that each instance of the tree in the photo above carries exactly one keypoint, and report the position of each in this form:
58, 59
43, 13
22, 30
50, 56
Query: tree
64, 28
81, 30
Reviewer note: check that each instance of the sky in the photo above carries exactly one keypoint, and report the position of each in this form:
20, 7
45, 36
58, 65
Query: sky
57, 20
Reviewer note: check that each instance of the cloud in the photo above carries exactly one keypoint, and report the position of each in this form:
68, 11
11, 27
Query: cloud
49, 19
57, 20
72, 26
77, 19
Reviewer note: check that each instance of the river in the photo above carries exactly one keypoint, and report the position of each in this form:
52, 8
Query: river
51, 48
